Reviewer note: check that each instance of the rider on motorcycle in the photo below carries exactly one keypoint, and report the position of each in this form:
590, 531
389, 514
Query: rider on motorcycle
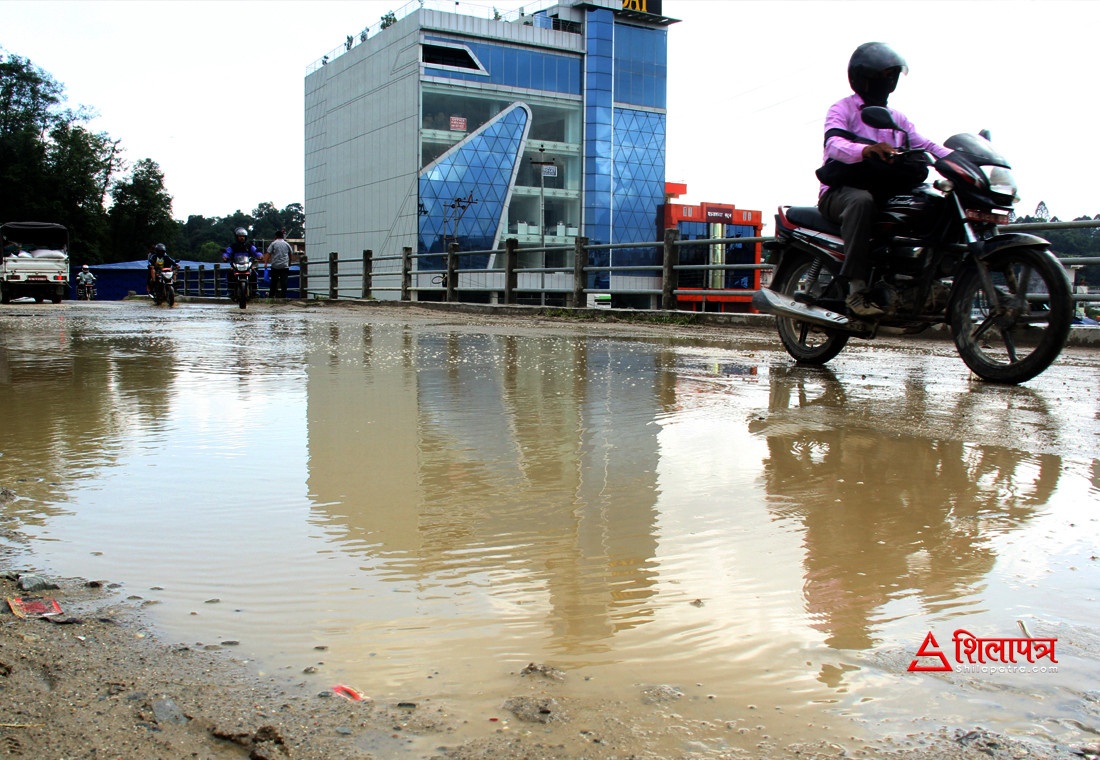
159, 259
85, 277
873, 73
240, 245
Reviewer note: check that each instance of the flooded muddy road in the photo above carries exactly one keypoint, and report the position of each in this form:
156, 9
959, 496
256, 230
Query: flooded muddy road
679, 519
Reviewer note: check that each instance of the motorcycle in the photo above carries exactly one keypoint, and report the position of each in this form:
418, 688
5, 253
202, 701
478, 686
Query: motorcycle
85, 292
937, 257
164, 286
242, 278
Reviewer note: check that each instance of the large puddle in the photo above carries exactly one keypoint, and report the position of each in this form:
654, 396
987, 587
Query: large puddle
419, 508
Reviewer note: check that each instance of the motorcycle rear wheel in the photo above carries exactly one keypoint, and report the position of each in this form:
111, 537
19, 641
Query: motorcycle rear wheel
1019, 339
807, 343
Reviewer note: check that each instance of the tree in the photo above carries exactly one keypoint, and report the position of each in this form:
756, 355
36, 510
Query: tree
52, 168
142, 213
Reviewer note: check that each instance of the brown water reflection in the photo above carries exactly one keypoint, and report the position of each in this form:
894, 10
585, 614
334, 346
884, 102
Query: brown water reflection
452, 500
886, 515
474, 448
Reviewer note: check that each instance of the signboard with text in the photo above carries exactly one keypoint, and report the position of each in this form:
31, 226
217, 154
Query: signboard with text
643, 6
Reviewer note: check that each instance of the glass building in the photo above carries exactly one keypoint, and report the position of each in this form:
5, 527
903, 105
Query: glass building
443, 128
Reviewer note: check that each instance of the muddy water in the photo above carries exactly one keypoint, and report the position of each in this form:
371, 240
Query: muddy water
420, 509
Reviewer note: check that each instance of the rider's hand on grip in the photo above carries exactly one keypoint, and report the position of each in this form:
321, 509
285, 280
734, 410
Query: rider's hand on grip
882, 151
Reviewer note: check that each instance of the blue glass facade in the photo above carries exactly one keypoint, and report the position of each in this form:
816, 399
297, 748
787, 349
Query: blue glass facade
481, 168
641, 66
735, 253
515, 67
617, 92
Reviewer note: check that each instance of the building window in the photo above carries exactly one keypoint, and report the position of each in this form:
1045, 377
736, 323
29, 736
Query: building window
457, 57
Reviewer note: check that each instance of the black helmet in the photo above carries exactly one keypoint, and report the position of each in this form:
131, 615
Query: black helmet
160, 248
873, 71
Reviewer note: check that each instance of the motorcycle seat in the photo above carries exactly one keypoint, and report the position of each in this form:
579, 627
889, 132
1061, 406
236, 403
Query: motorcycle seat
809, 216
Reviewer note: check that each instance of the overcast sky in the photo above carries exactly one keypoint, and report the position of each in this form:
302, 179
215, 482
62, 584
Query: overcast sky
213, 91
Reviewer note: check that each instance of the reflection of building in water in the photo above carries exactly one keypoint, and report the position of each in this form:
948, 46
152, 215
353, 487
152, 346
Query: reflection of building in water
474, 455
886, 514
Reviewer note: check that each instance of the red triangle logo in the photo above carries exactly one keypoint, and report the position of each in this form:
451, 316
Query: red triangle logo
930, 640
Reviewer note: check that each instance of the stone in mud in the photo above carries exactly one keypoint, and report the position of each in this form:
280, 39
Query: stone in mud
545, 671
33, 583
533, 709
661, 693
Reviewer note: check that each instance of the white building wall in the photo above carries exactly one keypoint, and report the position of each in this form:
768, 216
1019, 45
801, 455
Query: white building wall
362, 113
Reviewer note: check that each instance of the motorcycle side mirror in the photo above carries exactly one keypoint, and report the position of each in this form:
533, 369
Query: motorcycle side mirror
985, 134
878, 117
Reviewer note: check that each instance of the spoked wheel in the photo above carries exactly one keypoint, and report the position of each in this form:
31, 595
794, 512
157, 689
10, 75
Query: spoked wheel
807, 343
1016, 331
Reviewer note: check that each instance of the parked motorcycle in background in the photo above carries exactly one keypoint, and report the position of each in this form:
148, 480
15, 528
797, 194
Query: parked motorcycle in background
242, 285
937, 257
164, 286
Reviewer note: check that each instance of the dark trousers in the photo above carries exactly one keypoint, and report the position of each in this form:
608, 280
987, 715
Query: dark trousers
279, 279
854, 210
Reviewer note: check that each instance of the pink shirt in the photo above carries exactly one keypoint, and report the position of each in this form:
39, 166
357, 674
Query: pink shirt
844, 114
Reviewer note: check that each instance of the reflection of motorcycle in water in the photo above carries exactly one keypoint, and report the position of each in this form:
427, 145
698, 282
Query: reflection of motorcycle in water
242, 279
164, 286
886, 514
938, 258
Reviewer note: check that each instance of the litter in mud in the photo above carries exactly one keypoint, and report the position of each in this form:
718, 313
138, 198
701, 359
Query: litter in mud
34, 607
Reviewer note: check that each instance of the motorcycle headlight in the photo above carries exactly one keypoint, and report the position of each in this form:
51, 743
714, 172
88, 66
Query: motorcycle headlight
1001, 182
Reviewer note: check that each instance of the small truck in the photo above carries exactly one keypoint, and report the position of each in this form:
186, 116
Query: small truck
35, 261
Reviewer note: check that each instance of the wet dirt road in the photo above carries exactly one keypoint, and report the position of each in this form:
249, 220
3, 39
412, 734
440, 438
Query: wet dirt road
673, 516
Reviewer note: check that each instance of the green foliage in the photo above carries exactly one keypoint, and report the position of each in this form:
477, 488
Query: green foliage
52, 168
388, 20
142, 212
198, 232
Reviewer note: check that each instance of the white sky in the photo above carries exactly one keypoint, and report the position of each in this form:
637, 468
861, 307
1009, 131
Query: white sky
213, 91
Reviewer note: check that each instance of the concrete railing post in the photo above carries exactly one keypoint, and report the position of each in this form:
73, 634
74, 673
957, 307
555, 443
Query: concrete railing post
450, 280
580, 261
406, 273
511, 278
218, 281
303, 276
333, 275
368, 272
669, 273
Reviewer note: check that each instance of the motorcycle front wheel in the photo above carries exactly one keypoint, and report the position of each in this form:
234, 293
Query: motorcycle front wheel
242, 294
1012, 334
170, 295
807, 343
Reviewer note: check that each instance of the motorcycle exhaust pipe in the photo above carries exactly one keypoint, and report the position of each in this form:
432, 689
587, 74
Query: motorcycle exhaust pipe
771, 302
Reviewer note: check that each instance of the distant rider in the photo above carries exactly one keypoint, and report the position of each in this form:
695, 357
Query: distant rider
159, 259
85, 279
873, 73
240, 245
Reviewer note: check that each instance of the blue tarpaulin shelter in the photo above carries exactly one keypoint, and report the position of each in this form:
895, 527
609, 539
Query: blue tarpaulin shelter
115, 281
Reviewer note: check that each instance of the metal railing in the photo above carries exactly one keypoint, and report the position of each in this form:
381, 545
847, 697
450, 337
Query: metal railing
210, 283
403, 274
